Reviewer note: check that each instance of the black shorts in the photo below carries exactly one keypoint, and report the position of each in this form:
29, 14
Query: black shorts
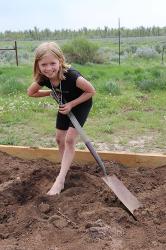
81, 113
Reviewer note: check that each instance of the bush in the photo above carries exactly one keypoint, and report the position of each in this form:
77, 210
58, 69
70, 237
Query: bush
151, 84
146, 53
158, 48
7, 57
81, 51
112, 88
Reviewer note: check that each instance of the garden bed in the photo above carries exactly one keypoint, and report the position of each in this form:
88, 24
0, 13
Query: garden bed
86, 215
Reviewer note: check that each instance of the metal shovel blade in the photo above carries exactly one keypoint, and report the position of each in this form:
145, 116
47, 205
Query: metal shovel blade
124, 195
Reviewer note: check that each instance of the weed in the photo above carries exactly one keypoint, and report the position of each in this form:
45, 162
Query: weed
113, 88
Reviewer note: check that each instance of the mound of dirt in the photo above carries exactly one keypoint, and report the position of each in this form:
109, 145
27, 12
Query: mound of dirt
86, 215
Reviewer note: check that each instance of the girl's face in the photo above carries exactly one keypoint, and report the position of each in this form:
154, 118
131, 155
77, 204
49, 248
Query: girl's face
49, 66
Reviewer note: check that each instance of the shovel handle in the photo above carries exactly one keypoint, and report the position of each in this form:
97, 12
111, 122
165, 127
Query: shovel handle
86, 141
96, 156
83, 136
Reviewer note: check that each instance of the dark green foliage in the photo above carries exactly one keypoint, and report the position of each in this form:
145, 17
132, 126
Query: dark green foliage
80, 51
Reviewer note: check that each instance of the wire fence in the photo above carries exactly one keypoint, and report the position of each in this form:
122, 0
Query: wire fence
116, 50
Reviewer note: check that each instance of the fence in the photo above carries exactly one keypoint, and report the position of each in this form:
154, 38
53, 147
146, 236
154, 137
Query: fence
15, 48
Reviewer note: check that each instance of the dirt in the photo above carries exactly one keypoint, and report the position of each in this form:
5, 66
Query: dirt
86, 215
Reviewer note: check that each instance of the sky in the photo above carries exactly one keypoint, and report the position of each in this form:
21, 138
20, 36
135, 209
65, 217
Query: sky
20, 15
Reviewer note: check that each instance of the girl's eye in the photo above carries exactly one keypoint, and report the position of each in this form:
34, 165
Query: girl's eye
53, 63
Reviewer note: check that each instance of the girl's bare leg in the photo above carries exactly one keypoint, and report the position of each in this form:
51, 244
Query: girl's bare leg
60, 139
67, 158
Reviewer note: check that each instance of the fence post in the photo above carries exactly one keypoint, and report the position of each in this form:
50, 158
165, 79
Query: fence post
16, 53
119, 39
14, 48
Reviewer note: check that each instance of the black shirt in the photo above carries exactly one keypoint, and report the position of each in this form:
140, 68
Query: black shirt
68, 86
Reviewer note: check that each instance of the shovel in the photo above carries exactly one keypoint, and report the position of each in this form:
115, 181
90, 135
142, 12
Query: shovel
120, 190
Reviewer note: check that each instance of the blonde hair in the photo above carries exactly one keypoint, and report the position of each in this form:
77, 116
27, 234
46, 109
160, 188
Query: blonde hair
54, 49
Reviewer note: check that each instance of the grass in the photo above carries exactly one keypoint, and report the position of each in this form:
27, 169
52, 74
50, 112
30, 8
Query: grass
122, 112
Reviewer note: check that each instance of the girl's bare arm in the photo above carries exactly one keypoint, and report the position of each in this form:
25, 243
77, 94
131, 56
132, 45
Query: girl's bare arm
35, 91
88, 89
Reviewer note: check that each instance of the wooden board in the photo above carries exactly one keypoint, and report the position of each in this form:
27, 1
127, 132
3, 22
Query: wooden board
84, 156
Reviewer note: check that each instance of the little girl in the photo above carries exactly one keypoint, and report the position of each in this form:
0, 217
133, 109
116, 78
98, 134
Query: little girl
73, 90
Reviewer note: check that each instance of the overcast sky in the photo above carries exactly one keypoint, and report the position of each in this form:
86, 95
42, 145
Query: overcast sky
75, 14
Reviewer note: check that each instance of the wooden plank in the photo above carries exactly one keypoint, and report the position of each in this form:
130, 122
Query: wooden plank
30, 153
84, 156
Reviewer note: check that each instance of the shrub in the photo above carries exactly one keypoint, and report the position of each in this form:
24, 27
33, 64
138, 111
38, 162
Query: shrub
138, 71
133, 49
112, 88
114, 57
158, 48
81, 51
151, 84
156, 73
104, 54
7, 57
146, 53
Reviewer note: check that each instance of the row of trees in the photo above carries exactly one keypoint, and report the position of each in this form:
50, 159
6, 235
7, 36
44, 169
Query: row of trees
106, 32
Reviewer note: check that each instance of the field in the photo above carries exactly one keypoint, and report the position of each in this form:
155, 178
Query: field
130, 102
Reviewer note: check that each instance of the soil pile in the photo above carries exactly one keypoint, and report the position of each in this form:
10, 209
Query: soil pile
86, 215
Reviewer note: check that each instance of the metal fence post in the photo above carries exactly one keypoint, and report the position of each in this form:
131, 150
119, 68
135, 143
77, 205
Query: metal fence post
16, 52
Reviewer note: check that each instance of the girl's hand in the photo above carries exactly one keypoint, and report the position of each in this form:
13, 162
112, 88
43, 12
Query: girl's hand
65, 108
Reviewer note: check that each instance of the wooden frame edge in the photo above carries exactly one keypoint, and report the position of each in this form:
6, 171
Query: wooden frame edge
83, 156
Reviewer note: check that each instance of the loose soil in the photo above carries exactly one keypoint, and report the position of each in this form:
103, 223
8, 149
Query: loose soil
86, 215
